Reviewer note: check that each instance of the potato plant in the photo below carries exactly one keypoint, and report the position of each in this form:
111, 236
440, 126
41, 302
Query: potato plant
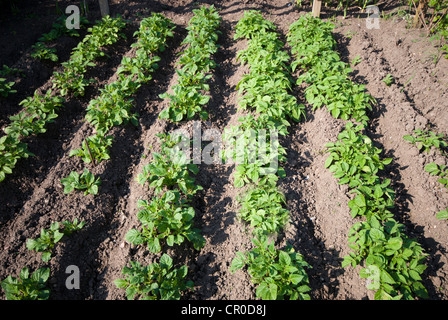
392, 262
167, 218
424, 140
6, 87
85, 181
50, 237
157, 281
27, 286
279, 274
42, 51
170, 168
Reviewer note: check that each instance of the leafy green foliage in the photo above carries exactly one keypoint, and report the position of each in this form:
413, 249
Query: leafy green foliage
280, 274
157, 281
266, 87
70, 227
438, 170
39, 110
184, 103
187, 98
393, 262
50, 237
373, 201
97, 146
59, 29
6, 87
442, 215
257, 152
11, 150
353, 159
167, 217
326, 75
27, 287
170, 167
43, 52
262, 207
86, 181
113, 106
426, 139
8, 71
46, 242
356, 60
251, 24
265, 91
437, 25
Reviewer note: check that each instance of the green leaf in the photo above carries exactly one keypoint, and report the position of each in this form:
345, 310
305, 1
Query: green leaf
376, 234
170, 240
120, 283
414, 275
284, 258
267, 291
420, 290
133, 236
46, 256
431, 168
154, 245
166, 261
394, 243
442, 215
238, 262
386, 277
24, 273
41, 275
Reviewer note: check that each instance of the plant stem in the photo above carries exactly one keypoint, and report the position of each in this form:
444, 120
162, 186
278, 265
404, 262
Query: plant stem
90, 153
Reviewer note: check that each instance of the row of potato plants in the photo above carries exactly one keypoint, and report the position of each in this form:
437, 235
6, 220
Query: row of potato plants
278, 274
41, 108
187, 97
168, 219
392, 262
113, 105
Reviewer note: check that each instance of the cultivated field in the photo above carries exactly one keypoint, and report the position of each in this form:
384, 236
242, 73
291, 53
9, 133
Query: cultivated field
193, 65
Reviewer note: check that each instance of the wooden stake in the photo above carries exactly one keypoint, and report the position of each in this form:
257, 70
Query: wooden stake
317, 4
104, 7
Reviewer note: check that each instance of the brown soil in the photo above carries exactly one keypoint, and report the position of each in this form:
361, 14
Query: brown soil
32, 197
